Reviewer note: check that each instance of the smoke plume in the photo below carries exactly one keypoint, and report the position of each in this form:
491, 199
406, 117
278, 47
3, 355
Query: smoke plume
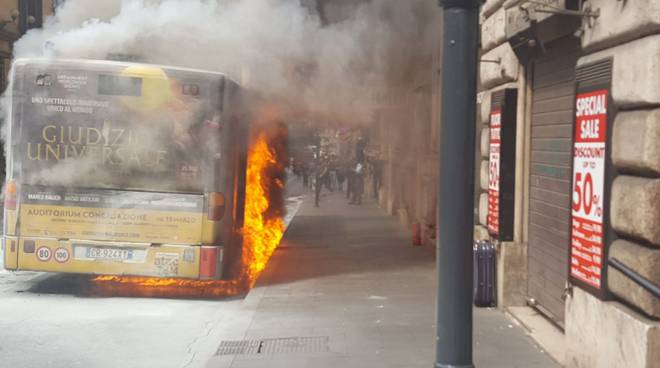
326, 59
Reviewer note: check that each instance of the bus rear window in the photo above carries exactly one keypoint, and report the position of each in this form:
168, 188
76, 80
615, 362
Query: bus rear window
113, 85
134, 128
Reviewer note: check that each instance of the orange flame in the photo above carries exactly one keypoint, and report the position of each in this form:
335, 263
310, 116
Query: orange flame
261, 235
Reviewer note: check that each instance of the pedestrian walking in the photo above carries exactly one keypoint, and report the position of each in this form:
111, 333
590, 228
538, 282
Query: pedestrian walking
358, 183
341, 177
321, 178
349, 182
332, 175
329, 178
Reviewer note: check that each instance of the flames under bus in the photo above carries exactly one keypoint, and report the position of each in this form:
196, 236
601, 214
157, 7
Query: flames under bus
124, 169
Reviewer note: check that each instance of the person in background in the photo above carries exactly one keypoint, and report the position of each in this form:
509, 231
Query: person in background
357, 172
327, 181
341, 177
332, 174
349, 180
321, 178
358, 183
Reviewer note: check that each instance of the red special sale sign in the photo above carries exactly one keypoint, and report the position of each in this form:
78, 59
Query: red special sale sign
588, 187
494, 172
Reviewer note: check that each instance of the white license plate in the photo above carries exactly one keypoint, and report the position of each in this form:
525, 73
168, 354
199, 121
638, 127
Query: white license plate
110, 254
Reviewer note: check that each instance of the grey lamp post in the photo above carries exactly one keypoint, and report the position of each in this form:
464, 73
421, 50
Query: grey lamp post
456, 185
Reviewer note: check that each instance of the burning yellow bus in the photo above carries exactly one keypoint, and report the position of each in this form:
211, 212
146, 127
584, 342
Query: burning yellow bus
118, 168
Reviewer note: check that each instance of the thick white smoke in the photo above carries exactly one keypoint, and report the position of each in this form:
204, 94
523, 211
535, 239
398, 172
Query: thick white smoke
330, 64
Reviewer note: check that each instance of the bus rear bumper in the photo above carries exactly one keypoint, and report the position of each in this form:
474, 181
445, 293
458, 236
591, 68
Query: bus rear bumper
112, 258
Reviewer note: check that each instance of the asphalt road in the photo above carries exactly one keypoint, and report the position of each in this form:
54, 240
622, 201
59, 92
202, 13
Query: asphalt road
44, 323
47, 320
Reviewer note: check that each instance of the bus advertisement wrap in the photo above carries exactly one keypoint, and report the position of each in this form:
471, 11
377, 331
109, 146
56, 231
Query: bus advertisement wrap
111, 215
140, 128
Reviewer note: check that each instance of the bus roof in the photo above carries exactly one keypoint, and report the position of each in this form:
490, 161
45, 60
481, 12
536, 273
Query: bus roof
109, 64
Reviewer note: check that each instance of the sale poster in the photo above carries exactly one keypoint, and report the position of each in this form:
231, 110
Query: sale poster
494, 172
589, 153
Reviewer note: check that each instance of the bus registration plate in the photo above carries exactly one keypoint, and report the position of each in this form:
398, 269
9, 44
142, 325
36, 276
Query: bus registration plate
111, 254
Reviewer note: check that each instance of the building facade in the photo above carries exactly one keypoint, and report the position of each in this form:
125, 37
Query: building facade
403, 139
16, 18
569, 178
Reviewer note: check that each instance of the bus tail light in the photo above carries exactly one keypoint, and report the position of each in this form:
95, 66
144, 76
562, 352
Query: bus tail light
208, 262
10, 195
28, 246
216, 206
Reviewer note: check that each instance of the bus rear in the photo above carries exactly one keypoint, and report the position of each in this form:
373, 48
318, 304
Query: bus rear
123, 169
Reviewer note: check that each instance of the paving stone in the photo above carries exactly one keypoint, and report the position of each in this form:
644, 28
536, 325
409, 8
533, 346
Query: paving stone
484, 108
635, 72
503, 68
481, 233
484, 143
489, 7
621, 21
483, 209
643, 260
483, 175
590, 321
635, 208
636, 142
492, 30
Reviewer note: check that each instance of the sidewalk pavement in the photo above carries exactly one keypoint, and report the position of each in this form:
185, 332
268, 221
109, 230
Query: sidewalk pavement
346, 289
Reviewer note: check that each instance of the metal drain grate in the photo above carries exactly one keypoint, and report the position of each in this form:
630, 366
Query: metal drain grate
281, 345
238, 347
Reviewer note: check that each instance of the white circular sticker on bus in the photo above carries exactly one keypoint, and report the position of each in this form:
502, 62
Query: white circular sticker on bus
44, 254
61, 255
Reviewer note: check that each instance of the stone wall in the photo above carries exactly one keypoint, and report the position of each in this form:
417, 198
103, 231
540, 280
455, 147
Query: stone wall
405, 139
635, 198
617, 336
499, 69
608, 335
599, 334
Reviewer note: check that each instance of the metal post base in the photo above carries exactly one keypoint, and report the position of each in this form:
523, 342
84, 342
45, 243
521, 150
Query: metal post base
437, 365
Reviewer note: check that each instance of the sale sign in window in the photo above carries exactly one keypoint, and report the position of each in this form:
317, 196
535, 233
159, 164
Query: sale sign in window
494, 172
589, 150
